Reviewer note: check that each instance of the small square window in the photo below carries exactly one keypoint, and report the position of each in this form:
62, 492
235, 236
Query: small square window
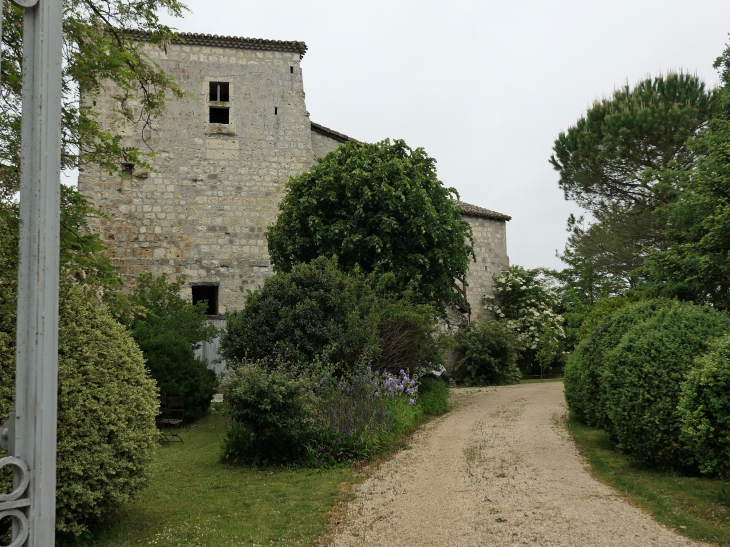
219, 92
219, 115
207, 294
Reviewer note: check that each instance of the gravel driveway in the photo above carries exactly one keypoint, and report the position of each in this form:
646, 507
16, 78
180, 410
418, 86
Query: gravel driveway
498, 470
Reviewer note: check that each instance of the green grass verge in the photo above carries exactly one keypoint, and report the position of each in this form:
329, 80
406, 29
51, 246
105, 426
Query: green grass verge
538, 381
194, 500
687, 504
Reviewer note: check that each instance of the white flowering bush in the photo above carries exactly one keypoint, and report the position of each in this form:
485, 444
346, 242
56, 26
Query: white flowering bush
524, 301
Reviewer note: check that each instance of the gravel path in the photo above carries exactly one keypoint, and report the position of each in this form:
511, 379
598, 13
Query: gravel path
498, 470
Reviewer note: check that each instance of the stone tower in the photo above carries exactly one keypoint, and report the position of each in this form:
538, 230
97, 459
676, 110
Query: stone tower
224, 153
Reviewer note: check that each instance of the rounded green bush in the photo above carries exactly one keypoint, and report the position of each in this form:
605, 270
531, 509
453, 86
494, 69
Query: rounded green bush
584, 390
106, 413
272, 413
172, 363
299, 315
704, 410
644, 375
489, 354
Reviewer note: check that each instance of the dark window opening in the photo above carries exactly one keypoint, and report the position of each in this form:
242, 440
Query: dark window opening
207, 294
218, 115
219, 92
291, 69
127, 170
276, 111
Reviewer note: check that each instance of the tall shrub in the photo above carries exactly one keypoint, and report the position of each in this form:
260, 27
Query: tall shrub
704, 409
317, 311
106, 413
644, 375
488, 355
167, 329
585, 392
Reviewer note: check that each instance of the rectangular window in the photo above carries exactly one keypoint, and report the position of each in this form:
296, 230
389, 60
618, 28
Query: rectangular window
219, 92
209, 295
219, 115
218, 108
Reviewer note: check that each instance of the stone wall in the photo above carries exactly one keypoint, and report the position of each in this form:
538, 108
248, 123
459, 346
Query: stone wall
490, 248
204, 208
323, 144
213, 190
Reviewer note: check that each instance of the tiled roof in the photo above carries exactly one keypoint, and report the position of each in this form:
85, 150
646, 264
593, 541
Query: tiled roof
213, 40
326, 131
474, 211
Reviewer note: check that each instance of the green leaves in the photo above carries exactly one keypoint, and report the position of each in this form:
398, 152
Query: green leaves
99, 55
379, 207
697, 265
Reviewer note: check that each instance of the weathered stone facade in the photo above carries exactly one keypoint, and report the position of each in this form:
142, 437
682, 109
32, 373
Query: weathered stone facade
489, 230
215, 188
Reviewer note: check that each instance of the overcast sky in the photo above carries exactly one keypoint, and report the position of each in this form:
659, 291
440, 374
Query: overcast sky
483, 87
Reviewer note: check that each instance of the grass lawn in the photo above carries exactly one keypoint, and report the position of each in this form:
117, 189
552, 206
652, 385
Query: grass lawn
687, 504
195, 501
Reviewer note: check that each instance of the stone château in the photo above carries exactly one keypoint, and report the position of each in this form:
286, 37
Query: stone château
224, 154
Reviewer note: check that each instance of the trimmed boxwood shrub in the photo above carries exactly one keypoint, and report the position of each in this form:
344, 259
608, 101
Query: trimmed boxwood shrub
488, 355
584, 391
106, 413
704, 409
644, 375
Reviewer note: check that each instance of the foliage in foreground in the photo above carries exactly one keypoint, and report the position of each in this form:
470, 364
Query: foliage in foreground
106, 413
640, 376
380, 208
167, 329
316, 311
286, 416
584, 388
704, 410
644, 376
488, 354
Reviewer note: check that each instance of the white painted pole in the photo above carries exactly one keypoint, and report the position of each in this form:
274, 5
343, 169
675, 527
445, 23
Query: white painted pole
32, 435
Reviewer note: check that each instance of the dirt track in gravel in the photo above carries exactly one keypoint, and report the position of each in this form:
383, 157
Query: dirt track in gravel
498, 470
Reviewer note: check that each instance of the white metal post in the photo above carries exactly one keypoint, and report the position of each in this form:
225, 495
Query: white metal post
32, 430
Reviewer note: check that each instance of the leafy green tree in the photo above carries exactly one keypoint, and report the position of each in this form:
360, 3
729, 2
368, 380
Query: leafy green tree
98, 49
697, 265
379, 207
156, 301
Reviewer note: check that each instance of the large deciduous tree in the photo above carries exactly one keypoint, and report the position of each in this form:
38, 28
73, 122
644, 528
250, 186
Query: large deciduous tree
380, 207
97, 49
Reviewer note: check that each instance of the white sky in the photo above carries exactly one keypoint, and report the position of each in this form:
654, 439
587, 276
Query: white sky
484, 87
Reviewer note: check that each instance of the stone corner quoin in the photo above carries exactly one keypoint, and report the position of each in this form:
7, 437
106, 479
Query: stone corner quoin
224, 154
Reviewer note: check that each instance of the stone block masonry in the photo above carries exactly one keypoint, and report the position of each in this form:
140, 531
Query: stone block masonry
490, 248
214, 189
223, 156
